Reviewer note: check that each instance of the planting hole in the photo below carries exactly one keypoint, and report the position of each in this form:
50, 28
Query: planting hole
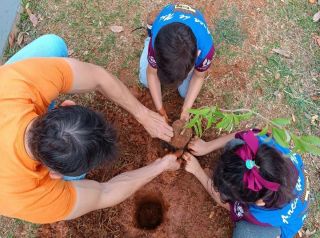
149, 212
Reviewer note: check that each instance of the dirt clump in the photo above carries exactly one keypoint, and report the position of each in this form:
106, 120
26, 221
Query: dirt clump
182, 135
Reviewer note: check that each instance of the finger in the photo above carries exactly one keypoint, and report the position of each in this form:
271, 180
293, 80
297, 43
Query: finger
191, 145
164, 137
186, 156
178, 153
167, 130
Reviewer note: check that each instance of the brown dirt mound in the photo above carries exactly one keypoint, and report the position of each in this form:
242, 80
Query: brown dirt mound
181, 136
186, 208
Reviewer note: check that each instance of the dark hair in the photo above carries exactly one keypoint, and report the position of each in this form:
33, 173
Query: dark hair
175, 53
228, 177
72, 140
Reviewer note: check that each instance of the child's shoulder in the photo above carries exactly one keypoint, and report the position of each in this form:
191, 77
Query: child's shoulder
294, 157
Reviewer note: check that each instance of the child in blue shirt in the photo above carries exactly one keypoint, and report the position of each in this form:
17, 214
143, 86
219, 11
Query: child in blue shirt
177, 53
261, 183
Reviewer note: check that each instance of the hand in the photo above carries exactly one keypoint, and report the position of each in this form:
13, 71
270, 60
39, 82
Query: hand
155, 125
192, 164
170, 162
198, 147
184, 115
163, 113
67, 103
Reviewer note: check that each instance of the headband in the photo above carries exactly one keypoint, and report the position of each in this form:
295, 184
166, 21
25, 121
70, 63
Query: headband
247, 152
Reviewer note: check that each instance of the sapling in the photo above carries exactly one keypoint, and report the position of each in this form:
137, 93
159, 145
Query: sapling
205, 118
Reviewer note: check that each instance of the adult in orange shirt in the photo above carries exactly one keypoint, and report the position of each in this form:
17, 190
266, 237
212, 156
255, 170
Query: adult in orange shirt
39, 147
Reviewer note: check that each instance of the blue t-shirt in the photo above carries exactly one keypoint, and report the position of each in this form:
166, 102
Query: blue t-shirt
289, 218
192, 18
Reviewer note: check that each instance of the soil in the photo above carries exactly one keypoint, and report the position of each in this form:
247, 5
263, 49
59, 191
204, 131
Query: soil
181, 136
174, 204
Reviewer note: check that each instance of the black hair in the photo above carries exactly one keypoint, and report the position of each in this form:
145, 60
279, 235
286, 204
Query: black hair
175, 53
228, 177
72, 140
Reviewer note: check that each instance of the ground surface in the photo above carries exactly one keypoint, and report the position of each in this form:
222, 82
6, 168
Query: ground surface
245, 73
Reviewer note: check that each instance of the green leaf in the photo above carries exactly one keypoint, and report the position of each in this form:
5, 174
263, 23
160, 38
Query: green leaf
196, 130
264, 131
236, 120
281, 121
218, 114
280, 136
223, 123
199, 125
210, 121
314, 140
312, 149
193, 121
303, 146
298, 146
226, 123
194, 111
244, 116
201, 111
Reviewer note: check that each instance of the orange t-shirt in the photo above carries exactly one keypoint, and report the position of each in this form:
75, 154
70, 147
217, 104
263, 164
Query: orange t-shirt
26, 190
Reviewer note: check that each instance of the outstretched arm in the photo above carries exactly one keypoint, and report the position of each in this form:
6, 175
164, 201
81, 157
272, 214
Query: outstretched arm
88, 77
199, 147
193, 166
193, 91
92, 195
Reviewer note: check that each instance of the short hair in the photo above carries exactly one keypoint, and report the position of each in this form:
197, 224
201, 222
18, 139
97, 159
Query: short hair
175, 53
72, 140
228, 177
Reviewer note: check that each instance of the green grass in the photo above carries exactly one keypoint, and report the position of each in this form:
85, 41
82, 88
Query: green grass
227, 32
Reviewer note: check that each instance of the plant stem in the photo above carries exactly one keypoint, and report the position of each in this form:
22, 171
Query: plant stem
253, 112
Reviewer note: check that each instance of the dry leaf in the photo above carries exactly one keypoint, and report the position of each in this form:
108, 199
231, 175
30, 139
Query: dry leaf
282, 52
70, 52
11, 39
32, 17
314, 119
20, 38
310, 233
277, 76
317, 40
315, 97
312, 1
293, 118
116, 29
316, 17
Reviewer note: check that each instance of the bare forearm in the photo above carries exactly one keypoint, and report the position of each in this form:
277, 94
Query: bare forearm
124, 185
193, 91
115, 90
220, 142
89, 77
208, 185
154, 87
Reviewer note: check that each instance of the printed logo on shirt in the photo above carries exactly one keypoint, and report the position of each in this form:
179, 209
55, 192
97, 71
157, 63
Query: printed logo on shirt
290, 212
184, 8
238, 210
152, 61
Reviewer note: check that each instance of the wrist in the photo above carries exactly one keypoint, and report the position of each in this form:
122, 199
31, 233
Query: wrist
141, 114
161, 165
200, 174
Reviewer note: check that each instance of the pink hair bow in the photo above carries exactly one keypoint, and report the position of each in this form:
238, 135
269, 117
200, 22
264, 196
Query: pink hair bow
247, 152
